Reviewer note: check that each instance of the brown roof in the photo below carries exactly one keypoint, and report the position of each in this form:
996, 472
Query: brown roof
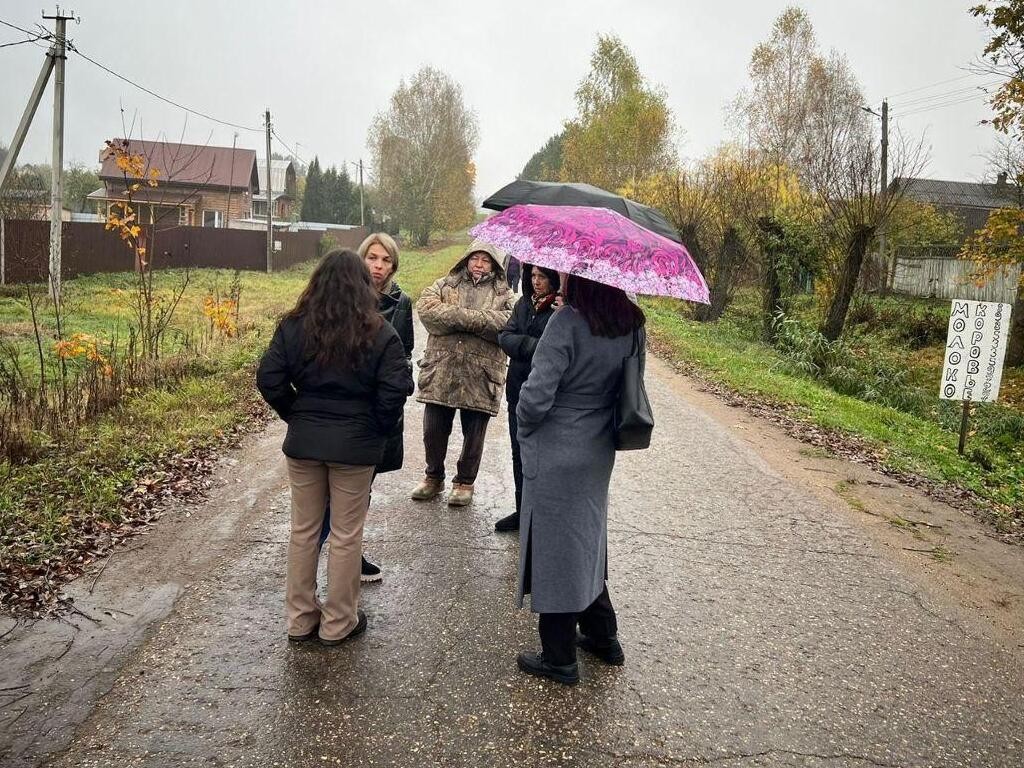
192, 164
155, 195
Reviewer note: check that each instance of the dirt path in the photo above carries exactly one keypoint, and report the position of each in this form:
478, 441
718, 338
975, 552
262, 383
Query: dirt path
771, 615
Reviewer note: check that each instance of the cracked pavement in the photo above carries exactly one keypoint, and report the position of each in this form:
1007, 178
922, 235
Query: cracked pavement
761, 628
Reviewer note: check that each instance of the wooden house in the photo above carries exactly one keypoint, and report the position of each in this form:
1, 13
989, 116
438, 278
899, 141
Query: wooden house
196, 185
282, 189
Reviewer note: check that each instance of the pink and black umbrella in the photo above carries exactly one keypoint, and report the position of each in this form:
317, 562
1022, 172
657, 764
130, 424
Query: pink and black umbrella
598, 244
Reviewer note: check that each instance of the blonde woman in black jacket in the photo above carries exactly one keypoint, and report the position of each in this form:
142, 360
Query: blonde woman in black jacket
379, 252
337, 373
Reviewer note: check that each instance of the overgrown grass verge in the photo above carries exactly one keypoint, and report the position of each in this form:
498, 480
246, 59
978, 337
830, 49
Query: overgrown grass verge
891, 423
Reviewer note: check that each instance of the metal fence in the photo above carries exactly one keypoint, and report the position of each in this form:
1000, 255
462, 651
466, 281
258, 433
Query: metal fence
936, 272
88, 248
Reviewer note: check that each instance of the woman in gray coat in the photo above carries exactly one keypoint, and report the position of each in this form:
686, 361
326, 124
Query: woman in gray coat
568, 452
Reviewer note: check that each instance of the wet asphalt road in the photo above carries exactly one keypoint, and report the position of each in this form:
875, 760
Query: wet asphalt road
760, 629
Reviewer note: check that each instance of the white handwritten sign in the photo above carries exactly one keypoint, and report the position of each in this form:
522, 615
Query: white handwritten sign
975, 346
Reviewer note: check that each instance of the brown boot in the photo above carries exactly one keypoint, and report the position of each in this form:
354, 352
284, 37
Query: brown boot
427, 489
461, 495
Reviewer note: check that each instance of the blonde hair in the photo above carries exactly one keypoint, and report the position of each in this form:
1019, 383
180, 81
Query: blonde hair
386, 242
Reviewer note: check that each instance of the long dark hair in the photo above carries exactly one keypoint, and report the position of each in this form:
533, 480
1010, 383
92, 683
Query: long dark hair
338, 310
607, 310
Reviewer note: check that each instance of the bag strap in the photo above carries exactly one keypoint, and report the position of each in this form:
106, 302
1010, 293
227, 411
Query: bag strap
639, 350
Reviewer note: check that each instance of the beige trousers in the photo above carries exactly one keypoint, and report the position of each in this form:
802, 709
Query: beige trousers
349, 489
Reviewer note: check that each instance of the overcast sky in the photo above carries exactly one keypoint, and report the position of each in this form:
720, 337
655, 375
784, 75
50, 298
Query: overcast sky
325, 68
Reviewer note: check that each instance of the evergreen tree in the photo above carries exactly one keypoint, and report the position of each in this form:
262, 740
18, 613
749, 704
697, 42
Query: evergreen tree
329, 196
348, 198
546, 163
312, 199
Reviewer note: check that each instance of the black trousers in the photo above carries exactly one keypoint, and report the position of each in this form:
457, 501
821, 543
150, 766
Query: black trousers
517, 457
437, 428
558, 630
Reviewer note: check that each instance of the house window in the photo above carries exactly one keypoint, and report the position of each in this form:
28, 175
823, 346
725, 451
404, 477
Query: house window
213, 219
259, 209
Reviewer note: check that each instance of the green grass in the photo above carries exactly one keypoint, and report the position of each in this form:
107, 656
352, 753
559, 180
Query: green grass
730, 353
420, 268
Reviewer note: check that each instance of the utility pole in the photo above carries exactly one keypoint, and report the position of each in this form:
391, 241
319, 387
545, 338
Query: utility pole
362, 208
55, 58
890, 274
270, 210
59, 54
883, 197
26, 117
231, 181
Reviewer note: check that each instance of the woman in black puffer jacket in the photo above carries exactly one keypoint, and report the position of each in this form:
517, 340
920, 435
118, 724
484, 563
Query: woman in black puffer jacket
337, 373
379, 252
519, 339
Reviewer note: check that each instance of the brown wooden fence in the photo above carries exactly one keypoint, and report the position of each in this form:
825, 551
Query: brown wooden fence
88, 248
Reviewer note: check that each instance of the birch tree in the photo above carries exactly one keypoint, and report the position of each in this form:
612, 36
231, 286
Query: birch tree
422, 148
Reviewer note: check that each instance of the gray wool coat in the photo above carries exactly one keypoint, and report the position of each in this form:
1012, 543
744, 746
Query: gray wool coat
568, 450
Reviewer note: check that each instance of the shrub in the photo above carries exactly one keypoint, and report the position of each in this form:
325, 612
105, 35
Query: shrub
807, 352
862, 312
920, 329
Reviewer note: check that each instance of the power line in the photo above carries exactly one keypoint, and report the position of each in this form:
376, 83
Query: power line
961, 99
163, 98
22, 42
950, 94
282, 142
34, 37
929, 108
20, 29
72, 47
940, 82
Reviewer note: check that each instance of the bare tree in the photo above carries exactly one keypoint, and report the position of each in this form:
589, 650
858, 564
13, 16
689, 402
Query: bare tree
158, 192
842, 167
773, 114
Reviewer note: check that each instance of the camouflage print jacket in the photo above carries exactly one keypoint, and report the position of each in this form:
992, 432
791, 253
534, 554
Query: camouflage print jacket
463, 366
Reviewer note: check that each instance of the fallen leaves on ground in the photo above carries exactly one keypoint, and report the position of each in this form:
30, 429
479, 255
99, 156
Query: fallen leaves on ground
32, 588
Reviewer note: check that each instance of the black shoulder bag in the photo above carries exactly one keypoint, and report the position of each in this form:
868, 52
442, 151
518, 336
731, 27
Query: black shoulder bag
634, 419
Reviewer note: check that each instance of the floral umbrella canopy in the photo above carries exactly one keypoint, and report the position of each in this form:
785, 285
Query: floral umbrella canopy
598, 244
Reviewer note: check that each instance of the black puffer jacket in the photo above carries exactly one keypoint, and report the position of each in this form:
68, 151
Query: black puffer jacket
519, 339
340, 415
396, 306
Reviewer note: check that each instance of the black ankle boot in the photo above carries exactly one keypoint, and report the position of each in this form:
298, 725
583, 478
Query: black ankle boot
533, 663
508, 524
609, 651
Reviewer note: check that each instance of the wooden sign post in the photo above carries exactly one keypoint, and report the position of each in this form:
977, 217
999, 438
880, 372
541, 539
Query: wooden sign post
973, 363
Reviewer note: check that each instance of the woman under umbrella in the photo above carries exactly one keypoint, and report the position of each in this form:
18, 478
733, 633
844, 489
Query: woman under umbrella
568, 453
566, 411
519, 340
